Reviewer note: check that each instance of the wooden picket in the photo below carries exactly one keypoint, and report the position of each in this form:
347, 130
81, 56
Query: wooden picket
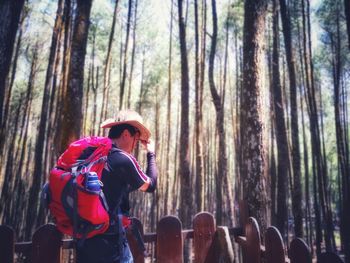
137, 252
299, 252
274, 247
224, 248
329, 257
169, 240
46, 245
252, 248
7, 244
204, 228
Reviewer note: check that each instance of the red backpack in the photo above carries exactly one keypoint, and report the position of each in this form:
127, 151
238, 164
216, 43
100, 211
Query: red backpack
76, 200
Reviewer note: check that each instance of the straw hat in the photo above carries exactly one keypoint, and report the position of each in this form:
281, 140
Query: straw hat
129, 117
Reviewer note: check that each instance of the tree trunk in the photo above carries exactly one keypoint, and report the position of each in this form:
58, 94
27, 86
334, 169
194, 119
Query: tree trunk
38, 174
281, 132
107, 67
252, 164
133, 50
94, 85
87, 96
8, 93
296, 191
62, 90
10, 12
198, 119
169, 124
94, 111
347, 16
217, 100
184, 162
32, 200
72, 111
227, 185
123, 80
343, 165
8, 173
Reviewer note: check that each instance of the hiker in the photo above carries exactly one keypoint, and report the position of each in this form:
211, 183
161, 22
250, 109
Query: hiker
121, 175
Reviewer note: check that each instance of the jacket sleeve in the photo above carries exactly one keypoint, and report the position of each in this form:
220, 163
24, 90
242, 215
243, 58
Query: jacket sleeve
151, 171
130, 171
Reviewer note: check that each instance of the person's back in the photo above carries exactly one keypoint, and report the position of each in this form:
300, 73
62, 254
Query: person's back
122, 174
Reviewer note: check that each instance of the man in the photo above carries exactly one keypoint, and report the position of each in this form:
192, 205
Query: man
122, 174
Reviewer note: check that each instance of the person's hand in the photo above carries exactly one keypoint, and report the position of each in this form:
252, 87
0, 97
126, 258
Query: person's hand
148, 146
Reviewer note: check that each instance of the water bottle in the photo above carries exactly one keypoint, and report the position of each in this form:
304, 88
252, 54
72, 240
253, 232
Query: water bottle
92, 184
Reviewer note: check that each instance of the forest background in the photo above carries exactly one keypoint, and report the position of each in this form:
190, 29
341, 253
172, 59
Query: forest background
244, 99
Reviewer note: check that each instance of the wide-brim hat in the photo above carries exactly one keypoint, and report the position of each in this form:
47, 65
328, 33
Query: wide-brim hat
129, 117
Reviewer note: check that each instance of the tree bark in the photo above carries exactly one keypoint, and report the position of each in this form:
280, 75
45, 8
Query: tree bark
347, 16
343, 165
107, 67
8, 93
217, 100
8, 173
184, 162
252, 164
31, 211
10, 12
133, 51
281, 132
62, 90
296, 191
123, 80
38, 173
72, 111
169, 124
198, 119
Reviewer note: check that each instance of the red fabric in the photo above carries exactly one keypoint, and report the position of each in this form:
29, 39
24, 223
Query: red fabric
89, 205
126, 221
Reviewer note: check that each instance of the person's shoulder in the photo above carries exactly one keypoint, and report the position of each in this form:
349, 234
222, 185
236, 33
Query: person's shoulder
118, 155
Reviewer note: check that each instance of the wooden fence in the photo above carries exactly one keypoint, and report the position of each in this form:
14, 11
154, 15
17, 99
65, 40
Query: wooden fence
210, 243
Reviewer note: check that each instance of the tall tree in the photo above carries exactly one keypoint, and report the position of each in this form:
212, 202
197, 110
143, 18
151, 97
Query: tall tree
64, 69
10, 85
347, 16
281, 131
31, 83
107, 66
252, 164
319, 164
72, 109
341, 137
133, 51
125, 56
184, 162
10, 12
296, 191
221, 172
169, 98
309, 81
198, 118
38, 172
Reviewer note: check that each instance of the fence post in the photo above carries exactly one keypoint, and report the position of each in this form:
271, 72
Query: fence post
7, 244
135, 246
225, 244
243, 213
204, 227
274, 248
299, 252
46, 244
251, 251
169, 240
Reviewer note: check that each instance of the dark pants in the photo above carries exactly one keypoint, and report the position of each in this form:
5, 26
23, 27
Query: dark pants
103, 248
